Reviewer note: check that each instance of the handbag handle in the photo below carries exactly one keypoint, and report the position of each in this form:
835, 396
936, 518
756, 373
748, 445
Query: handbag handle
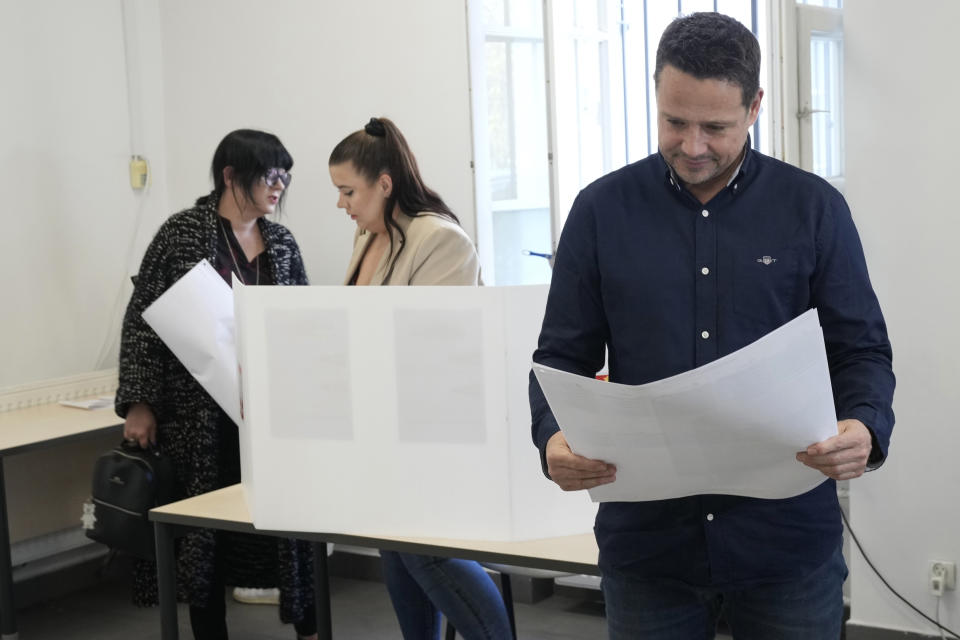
132, 446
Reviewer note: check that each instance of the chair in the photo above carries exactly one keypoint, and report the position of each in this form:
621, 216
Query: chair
506, 589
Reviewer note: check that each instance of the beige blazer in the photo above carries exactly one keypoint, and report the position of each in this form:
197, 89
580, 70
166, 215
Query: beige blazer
436, 252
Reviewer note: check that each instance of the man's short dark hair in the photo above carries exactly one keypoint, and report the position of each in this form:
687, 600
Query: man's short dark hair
712, 46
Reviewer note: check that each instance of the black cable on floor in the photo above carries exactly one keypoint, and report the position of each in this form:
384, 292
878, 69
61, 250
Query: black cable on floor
887, 584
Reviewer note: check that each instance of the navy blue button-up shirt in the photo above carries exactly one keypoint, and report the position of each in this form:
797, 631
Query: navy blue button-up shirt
665, 284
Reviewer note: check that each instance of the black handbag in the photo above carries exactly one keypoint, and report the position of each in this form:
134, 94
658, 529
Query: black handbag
127, 482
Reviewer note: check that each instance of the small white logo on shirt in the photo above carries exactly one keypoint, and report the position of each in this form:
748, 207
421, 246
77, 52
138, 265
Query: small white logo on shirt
766, 260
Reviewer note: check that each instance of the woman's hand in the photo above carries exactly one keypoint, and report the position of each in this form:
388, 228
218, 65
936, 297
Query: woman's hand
140, 426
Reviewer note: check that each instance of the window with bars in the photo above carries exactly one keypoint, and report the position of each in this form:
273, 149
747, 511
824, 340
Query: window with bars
563, 93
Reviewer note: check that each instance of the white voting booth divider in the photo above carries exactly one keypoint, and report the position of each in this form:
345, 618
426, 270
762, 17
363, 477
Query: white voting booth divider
395, 411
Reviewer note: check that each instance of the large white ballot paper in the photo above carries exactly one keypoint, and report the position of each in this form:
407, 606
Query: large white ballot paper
194, 318
395, 411
732, 426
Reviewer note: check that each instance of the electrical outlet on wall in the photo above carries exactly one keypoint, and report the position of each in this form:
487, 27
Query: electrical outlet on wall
943, 576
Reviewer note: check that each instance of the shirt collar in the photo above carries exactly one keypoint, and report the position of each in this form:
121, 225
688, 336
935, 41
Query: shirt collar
740, 171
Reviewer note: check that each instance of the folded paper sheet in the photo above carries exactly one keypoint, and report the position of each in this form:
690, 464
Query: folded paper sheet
732, 426
194, 318
395, 411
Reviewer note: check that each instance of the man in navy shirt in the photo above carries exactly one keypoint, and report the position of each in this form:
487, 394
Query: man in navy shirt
680, 259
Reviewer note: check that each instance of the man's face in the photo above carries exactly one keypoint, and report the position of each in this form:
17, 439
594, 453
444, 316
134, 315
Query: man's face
702, 127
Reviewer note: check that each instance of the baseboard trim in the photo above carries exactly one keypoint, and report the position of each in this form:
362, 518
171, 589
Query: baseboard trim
862, 632
43, 546
43, 392
94, 569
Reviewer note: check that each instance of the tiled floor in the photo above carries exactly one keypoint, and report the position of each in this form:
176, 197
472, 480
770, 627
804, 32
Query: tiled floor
360, 608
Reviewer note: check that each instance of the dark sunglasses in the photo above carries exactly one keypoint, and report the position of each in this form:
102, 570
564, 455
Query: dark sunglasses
273, 176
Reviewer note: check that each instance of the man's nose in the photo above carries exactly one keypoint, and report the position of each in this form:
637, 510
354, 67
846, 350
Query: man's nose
694, 142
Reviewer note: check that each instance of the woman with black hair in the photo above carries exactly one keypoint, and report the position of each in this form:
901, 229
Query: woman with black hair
164, 406
407, 235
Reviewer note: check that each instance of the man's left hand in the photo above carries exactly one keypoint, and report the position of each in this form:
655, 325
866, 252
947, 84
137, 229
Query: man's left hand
843, 456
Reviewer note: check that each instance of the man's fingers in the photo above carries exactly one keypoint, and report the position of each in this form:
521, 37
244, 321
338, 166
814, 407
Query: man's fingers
835, 447
836, 466
851, 434
813, 460
564, 459
576, 484
826, 447
815, 457
573, 472
581, 465
576, 477
843, 473
581, 474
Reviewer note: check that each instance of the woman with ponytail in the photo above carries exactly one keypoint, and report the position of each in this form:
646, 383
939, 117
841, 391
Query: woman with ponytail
407, 235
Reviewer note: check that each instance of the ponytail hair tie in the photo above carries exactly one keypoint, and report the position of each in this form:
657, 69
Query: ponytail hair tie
375, 128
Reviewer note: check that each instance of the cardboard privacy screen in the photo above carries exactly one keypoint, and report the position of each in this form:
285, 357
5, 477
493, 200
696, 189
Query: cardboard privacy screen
395, 411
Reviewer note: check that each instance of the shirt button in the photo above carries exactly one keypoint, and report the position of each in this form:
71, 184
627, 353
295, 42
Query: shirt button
705, 271
709, 517
705, 213
704, 334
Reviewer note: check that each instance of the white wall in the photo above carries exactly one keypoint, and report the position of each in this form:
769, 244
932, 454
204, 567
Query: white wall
309, 71
68, 208
74, 231
902, 103
313, 72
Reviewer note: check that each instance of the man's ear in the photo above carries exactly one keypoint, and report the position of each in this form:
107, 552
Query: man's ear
754, 109
385, 182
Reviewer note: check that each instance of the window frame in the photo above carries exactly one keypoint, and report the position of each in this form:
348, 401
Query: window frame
799, 24
786, 25
606, 39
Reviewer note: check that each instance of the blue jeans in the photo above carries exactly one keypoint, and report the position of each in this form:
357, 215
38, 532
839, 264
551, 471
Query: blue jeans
810, 608
423, 587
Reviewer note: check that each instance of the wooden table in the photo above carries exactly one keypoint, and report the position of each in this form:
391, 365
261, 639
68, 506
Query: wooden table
27, 430
226, 509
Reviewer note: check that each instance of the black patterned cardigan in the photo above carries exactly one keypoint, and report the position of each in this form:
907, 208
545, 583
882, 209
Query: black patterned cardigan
187, 417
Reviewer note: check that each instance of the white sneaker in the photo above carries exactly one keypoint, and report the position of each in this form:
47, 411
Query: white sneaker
256, 596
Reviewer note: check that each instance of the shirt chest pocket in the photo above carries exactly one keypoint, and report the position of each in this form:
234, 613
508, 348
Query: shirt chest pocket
768, 286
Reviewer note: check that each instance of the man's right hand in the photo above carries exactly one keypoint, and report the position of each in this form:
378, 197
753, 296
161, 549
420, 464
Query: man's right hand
572, 472
140, 425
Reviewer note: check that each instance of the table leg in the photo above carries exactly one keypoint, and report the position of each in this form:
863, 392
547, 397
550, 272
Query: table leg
166, 580
321, 587
8, 613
